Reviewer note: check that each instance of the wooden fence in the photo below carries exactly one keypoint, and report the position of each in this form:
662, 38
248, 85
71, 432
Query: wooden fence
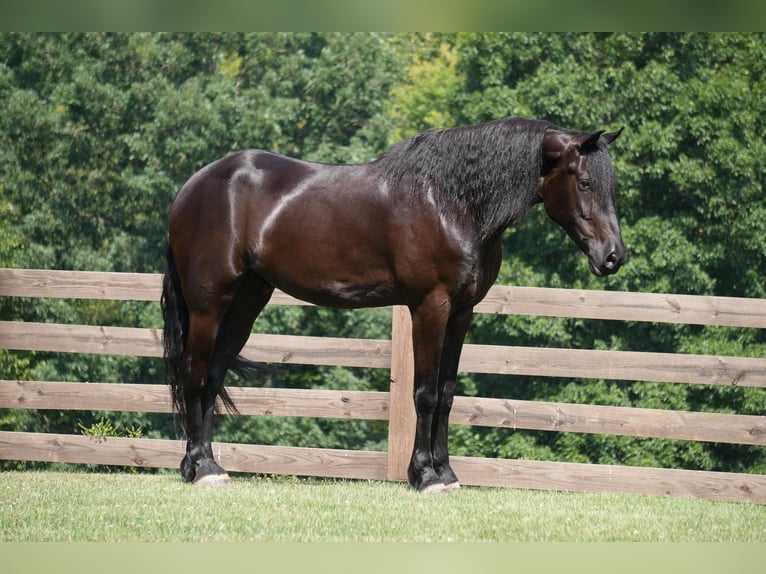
396, 406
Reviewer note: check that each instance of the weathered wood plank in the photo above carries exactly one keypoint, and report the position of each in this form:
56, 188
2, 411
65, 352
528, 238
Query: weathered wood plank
155, 398
17, 335
78, 449
46, 395
298, 461
538, 475
576, 477
282, 298
160, 453
616, 365
501, 299
625, 306
600, 419
80, 284
364, 405
287, 349
401, 427
61, 284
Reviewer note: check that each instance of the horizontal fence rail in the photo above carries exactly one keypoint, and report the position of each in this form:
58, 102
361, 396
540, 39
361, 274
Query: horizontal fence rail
368, 405
335, 463
506, 300
396, 405
303, 350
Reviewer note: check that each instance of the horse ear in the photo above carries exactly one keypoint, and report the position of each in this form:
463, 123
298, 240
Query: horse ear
611, 136
587, 143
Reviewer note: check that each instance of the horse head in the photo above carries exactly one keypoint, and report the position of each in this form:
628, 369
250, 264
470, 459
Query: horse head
577, 187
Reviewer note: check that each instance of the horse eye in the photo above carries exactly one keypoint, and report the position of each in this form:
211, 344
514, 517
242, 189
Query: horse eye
583, 184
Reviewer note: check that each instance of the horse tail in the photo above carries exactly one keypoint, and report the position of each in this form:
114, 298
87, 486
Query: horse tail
175, 314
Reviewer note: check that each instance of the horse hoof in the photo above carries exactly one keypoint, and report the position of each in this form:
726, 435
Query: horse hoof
438, 488
213, 480
452, 486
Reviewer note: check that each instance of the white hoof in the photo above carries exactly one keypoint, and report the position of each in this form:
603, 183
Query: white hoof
437, 488
213, 480
452, 486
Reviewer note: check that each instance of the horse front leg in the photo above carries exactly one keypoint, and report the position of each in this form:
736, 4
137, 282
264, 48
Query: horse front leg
457, 327
429, 321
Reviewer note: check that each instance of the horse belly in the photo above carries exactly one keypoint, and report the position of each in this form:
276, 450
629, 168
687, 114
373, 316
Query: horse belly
345, 295
327, 280
329, 257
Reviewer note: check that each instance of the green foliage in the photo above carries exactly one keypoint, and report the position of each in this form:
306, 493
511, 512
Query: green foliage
101, 431
105, 428
423, 99
98, 131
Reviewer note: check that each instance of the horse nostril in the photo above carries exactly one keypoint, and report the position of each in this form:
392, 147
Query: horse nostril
611, 260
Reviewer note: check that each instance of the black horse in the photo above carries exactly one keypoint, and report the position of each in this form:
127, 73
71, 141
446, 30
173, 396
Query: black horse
420, 226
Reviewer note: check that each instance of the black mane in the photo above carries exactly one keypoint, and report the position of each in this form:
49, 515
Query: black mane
489, 170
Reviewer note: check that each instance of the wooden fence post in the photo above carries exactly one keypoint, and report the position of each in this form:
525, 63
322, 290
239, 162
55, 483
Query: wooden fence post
401, 421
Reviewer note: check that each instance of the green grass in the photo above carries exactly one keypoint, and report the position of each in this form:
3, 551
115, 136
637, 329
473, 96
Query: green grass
50, 506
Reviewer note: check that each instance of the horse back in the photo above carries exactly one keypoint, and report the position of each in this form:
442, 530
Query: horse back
333, 234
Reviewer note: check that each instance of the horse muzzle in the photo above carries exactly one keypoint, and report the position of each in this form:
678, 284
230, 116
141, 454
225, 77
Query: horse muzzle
608, 260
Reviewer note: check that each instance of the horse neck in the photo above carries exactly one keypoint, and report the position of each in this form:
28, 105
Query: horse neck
489, 171
502, 186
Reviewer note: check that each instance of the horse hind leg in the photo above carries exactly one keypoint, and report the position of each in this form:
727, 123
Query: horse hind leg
199, 394
251, 297
212, 354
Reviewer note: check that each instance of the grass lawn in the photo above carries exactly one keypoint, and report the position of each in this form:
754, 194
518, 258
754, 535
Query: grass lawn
52, 506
